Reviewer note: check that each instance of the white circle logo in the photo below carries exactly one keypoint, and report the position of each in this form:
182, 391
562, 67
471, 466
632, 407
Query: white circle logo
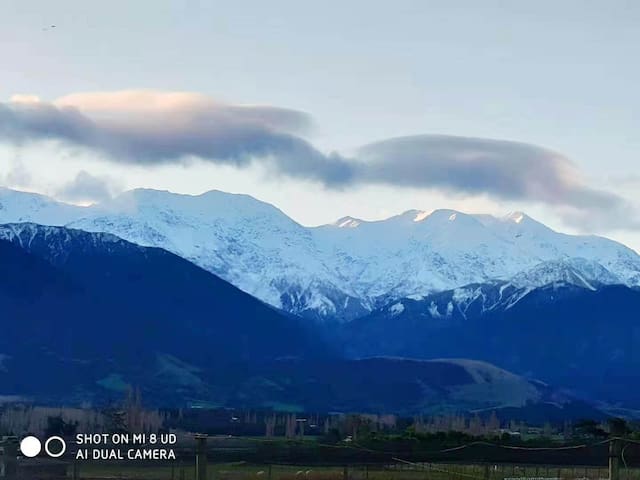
63, 447
30, 447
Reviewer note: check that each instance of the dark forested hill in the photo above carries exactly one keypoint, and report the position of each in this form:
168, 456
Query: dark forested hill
81, 310
586, 340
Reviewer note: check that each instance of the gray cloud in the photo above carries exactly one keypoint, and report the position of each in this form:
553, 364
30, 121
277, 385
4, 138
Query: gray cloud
149, 128
89, 188
509, 170
502, 169
158, 128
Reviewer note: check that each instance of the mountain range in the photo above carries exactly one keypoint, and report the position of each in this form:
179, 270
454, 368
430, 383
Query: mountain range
202, 300
347, 269
86, 315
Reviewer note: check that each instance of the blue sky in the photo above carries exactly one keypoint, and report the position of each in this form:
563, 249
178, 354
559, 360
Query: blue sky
560, 76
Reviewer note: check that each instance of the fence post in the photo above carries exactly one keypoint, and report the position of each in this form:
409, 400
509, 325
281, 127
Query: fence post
201, 457
345, 473
614, 459
615, 449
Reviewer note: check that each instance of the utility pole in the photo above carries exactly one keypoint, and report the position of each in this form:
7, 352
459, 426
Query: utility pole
301, 422
615, 449
201, 457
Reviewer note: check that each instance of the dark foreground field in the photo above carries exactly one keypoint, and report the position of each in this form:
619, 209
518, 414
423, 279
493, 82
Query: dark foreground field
398, 471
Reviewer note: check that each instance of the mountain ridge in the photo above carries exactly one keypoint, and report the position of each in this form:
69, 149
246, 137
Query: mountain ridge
332, 272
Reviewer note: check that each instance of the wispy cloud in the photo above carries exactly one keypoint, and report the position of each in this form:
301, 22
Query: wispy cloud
88, 188
150, 128
16, 175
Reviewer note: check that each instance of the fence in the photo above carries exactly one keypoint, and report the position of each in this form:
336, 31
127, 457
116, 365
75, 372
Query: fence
476, 460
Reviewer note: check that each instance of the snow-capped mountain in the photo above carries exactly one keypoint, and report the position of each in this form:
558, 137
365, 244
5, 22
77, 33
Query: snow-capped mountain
345, 269
91, 314
18, 207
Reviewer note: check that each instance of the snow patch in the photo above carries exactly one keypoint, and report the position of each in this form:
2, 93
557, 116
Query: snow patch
396, 309
421, 216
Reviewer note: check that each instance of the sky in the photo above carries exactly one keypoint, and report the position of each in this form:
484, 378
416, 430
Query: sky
328, 109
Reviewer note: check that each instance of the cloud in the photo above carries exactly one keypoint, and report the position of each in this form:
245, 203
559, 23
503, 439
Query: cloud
504, 170
87, 188
17, 175
508, 170
24, 99
184, 109
621, 217
149, 128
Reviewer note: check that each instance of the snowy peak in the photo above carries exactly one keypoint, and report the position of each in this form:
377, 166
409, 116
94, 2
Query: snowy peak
426, 217
516, 217
18, 206
347, 222
412, 215
447, 218
213, 203
515, 224
408, 218
420, 216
